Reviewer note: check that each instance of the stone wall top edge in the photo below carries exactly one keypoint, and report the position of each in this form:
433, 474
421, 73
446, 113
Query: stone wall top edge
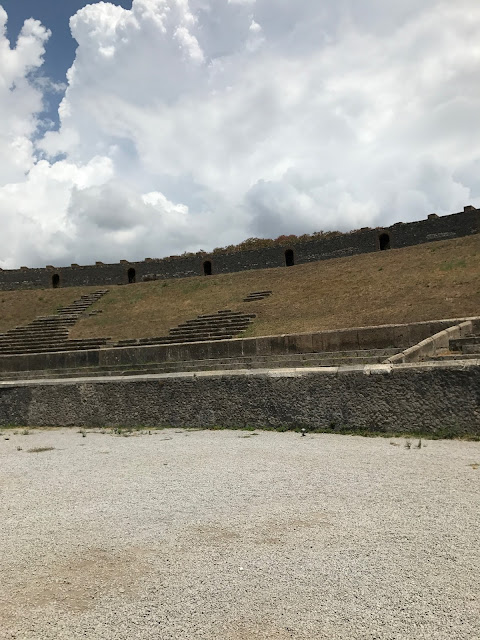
361, 370
202, 256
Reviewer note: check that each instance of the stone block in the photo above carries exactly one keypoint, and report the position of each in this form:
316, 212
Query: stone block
318, 342
343, 340
401, 336
235, 348
176, 352
264, 346
376, 337
278, 344
299, 343
421, 330
195, 351
249, 346
465, 328
219, 349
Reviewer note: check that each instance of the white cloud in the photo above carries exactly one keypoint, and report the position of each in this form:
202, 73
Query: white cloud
191, 124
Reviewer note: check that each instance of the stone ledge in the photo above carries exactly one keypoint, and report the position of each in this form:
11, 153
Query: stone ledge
299, 372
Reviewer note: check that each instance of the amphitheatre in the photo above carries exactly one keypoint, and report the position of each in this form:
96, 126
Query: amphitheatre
181, 450
373, 330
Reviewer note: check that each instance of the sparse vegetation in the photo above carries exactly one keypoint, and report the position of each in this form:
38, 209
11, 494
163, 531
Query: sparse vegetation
40, 449
400, 285
453, 264
423, 282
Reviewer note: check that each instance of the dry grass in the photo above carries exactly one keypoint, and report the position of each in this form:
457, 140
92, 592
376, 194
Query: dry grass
21, 307
432, 281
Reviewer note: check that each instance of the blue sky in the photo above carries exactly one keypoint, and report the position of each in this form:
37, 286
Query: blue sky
55, 16
195, 124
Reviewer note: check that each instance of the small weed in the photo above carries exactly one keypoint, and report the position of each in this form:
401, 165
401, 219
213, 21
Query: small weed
408, 444
474, 465
452, 264
394, 444
40, 449
419, 445
25, 432
19, 448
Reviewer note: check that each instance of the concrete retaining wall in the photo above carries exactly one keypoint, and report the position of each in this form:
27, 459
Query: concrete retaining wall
433, 399
379, 337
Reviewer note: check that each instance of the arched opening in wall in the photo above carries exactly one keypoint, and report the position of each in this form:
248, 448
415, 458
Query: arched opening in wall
131, 275
384, 241
55, 281
289, 258
207, 268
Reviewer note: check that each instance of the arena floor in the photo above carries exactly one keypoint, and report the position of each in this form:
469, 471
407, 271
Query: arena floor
237, 535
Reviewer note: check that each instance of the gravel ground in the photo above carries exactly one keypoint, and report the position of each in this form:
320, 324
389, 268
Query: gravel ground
225, 534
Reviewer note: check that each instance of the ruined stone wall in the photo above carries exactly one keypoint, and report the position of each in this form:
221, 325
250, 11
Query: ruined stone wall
323, 248
399, 336
437, 399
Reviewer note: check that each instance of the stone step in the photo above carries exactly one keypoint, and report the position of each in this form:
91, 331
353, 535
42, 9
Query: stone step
453, 356
292, 361
58, 346
53, 320
210, 328
238, 318
37, 332
229, 314
12, 344
15, 345
167, 341
50, 333
212, 325
457, 343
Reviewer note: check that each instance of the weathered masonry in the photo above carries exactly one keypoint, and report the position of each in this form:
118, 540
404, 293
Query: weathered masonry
398, 235
433, 398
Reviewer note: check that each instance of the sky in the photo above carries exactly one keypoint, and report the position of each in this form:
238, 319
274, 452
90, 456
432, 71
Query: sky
148, 128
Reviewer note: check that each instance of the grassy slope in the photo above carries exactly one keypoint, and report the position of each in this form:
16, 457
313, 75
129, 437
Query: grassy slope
437, 280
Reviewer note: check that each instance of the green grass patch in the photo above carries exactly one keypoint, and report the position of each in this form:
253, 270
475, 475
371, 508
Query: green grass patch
450, 265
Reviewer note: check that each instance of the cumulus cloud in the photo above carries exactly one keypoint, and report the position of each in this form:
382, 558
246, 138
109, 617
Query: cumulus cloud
191, 124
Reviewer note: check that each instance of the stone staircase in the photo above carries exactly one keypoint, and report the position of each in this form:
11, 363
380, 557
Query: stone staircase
50, 333
222, 325
466, 348
257, 295
299, 360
